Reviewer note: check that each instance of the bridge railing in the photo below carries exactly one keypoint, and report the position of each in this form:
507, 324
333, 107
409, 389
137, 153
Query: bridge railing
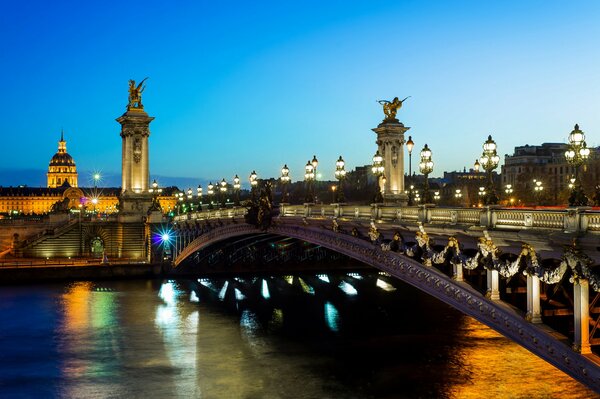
224, 213
572, 220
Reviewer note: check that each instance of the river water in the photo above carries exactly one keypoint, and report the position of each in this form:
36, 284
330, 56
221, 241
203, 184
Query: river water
304, 336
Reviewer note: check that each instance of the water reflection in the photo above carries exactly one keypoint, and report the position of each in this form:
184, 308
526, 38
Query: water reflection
362, 335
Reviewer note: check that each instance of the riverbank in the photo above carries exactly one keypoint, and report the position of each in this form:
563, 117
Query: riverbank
19, 275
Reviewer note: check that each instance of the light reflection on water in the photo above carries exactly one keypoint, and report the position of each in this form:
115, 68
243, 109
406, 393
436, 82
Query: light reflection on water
192, 339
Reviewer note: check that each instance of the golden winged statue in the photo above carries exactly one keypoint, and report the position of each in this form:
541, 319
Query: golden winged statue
135, 94
390, 108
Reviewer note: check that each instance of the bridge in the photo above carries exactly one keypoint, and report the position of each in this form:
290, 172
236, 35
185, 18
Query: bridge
526, 273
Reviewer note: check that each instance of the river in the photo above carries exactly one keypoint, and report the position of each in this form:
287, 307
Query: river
336, 335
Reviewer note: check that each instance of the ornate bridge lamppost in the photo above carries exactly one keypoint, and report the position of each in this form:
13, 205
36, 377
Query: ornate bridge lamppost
210, 192
426, 167
223, 192
236, 188
253, 184
378, 170
309, 177
489, 161
409, 146
285, 180
199, 195
577, 154
340, 175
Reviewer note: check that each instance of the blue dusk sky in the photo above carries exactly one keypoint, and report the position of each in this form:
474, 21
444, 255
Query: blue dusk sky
237, 86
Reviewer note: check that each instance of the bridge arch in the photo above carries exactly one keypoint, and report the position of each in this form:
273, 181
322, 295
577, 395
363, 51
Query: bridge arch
496, 314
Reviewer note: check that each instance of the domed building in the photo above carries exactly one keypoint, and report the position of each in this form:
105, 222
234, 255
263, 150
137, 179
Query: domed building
62, 170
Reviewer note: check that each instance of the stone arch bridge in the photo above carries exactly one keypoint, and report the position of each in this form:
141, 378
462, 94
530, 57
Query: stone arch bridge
527, 274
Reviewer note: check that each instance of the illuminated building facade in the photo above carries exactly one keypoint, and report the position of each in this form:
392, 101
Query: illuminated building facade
62, 184
62, 169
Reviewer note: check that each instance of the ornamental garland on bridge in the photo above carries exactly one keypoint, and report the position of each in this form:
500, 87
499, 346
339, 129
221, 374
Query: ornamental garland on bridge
490, 257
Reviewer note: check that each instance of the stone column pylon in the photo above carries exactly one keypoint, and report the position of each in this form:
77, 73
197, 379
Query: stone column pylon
135, 130
390, 143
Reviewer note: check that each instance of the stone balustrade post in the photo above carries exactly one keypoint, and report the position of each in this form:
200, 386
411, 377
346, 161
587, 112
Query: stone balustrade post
457, 272
534, 314
376, 211
576, 220
424, 213
488, 217
581, 313
493, 280
308, 209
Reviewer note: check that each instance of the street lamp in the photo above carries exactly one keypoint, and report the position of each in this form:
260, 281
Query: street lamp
253, 184
96, 179
285, 179
309, 177
199, 195
489, 161
577, 154
236, 187
180, 202
482, 193
509, 190
538, 188
426, 167
378, 170
436, 196
340, 175
223, 192
409, 146
210, 193
458, 195
476, 166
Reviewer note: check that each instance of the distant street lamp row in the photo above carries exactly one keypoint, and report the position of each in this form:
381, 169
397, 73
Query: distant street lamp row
577, 154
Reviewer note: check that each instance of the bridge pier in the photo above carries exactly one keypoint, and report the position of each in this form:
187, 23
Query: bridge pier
534, 314
493, 282
582, 316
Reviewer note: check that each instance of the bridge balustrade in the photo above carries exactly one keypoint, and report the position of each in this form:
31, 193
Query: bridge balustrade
572, 220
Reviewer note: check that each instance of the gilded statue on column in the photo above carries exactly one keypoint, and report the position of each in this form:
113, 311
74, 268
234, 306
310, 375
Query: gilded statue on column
390, 108
135, 95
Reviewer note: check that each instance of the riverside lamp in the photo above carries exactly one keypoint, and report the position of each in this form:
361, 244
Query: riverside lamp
577, 154
236, 189
309, 177
409, 146
285, 180
378, 170
426, 167
489, 161
340, 175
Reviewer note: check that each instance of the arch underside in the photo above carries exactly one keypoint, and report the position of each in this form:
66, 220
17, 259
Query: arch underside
498, 315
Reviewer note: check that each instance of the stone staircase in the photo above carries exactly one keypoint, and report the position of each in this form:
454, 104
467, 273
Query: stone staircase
120, 240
